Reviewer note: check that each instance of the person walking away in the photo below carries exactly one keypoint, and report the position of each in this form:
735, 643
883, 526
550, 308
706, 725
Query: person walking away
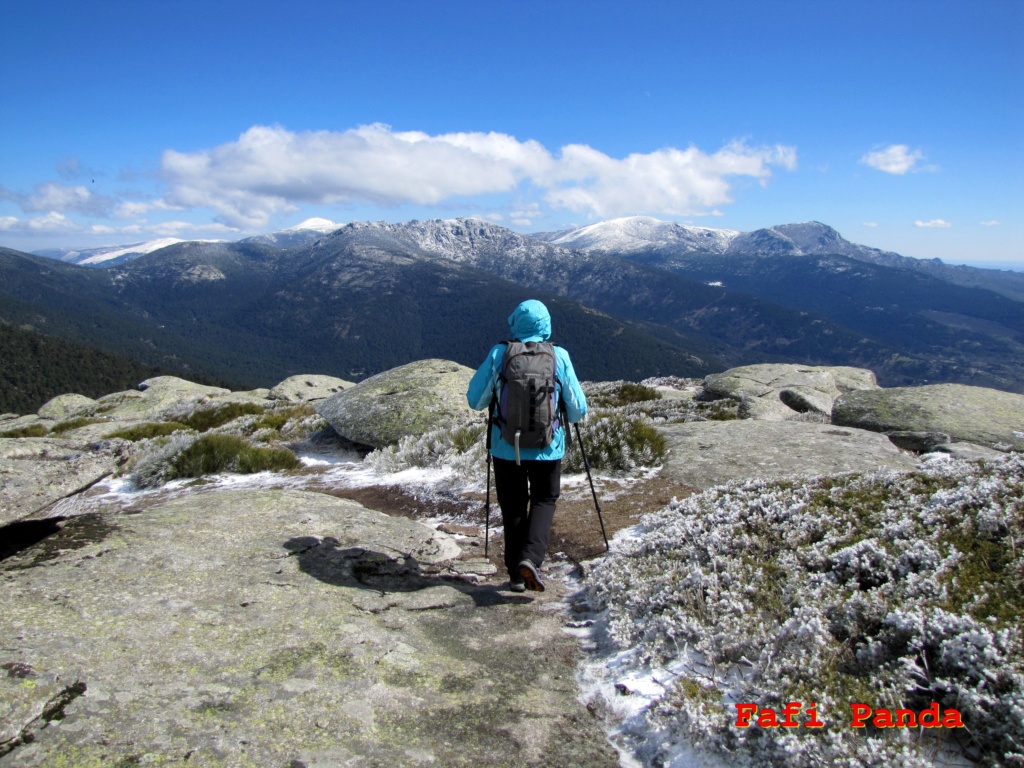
527, 459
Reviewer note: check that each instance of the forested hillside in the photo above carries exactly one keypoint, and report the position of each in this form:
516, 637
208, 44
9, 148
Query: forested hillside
35, 368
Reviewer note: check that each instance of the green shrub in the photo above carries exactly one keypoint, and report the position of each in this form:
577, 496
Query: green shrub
277, 418
76, 423
210, 418
618, 394
722, 410
149, 430
464, 438
211, 454
616, 441
32, 430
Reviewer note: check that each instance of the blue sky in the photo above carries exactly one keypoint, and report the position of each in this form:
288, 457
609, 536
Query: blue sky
899, 123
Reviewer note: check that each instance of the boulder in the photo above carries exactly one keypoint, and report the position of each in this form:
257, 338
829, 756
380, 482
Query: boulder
183, 388
918, 442
672, 393
302, 389
708, 453
987, 417
65, 406
278, 628
257, 396
409, 400
155, 396
780, 392
967, 451
37, 472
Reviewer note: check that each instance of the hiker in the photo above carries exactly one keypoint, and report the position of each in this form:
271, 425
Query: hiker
527, 456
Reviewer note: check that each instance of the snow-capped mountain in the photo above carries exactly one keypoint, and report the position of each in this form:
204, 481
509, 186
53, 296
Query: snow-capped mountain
368, 296
324, 226
634, 234
664, 244
108, 254
305, 232
308, 231
643, 234
473, 242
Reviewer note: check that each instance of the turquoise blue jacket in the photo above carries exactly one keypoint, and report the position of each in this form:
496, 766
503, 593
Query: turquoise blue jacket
530, 321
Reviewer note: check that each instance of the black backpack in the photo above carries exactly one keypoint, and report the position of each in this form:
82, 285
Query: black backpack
526, 409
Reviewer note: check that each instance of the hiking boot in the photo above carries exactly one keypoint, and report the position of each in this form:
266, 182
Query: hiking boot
531, 576
516, 584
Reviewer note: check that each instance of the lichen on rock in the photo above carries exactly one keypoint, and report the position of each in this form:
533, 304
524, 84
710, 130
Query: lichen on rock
404, 401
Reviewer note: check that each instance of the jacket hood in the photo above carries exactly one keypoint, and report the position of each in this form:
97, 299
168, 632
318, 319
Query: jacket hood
530, 321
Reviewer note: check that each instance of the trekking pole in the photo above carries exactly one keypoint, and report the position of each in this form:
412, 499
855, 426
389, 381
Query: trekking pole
487, 509
487, 504
586, 466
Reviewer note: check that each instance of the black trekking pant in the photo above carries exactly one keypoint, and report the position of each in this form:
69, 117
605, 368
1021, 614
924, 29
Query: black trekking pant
527, 494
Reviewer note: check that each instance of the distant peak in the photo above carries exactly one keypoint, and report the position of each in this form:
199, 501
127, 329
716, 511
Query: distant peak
315, 224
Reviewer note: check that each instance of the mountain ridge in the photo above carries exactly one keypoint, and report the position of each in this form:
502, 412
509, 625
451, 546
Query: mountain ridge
676, 242
369, 296
632, 235
253, 313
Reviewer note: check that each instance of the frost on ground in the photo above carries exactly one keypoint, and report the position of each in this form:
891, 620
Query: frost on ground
893, 590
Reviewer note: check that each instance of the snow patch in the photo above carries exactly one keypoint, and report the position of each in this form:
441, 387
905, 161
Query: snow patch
639, 233
101, 255
315, 224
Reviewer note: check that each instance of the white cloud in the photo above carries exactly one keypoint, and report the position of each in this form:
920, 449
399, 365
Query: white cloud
269, 170
525, 215
933, 224
669, 181
187, 229
64, 198
55, 223
50, 223
135, 209
897, 159
871, 224
992, 223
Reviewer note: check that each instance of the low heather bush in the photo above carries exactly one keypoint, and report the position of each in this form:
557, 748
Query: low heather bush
148, 430
206, 419
615, 441
152, 464
32, 430
615, 394
188, 454
76, 423
894, 590
459, 449
211, 454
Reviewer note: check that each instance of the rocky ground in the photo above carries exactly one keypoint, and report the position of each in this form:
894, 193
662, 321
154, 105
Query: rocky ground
279, 627
302, 621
